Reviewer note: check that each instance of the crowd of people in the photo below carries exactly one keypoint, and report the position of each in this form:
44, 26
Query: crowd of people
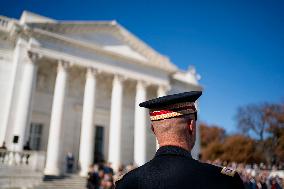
257, 176
102, 176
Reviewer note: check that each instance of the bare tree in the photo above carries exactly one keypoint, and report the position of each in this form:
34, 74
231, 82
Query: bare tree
251, 118
267, 122
274, 115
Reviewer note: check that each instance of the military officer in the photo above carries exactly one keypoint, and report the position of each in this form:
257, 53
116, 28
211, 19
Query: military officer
173, 121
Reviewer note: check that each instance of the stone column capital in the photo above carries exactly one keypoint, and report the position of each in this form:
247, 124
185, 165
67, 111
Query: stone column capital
21, 42
63, 65
164, 87
162, 90
33, 42
33, 56
119, 78
91, 72
143, 83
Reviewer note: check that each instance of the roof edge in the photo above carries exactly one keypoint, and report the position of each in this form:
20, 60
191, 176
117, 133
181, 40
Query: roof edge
30, 17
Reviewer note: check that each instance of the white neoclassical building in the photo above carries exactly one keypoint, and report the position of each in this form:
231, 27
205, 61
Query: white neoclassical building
75, 86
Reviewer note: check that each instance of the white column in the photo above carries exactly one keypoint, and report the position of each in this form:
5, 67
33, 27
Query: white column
114, 150
162, 91
195, 152
140, 125
24, 101
17, 58
54, 140
86, 154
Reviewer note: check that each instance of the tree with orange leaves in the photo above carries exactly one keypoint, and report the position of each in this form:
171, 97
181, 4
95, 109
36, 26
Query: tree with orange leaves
236, 148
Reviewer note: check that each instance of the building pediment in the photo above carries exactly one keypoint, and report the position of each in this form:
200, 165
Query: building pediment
110, 36
107, 38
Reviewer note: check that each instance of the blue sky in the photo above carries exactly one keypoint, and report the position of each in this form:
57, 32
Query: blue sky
236, 46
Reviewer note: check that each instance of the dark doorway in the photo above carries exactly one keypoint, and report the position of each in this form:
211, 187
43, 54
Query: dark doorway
99, 144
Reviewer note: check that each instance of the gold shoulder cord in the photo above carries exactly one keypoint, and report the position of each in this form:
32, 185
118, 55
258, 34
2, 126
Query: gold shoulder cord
228, 171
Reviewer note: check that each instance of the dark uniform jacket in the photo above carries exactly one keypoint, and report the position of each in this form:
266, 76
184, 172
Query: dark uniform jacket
173, 167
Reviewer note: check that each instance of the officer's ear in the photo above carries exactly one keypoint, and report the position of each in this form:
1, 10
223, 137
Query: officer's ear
190, 125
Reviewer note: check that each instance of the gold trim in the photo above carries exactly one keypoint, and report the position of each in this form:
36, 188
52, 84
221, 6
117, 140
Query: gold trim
228, 171
172, 114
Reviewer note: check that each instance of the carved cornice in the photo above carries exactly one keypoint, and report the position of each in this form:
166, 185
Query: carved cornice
11, 30
68, 41
100, 66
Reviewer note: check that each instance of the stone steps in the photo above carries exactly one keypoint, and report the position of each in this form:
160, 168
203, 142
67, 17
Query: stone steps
18, 176
64, 182
6, 170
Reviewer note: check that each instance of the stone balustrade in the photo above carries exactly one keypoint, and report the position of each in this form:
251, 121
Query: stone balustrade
5, 24
31, 159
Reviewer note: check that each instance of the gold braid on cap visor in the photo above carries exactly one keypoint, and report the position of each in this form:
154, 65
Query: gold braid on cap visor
173, 110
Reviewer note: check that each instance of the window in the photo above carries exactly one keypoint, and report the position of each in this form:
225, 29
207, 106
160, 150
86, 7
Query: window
35, 135
99, 144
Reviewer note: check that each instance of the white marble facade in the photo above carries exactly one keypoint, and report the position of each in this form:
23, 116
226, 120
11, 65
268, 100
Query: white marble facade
65, 85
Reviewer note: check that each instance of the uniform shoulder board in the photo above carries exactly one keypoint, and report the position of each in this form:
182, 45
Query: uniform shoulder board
228, 171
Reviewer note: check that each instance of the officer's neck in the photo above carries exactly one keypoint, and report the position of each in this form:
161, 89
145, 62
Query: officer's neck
178, 144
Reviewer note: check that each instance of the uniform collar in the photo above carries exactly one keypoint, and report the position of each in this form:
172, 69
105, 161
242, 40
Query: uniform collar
172, 150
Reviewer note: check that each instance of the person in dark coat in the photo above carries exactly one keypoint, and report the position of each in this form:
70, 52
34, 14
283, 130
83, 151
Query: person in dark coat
92, 179
3, 147
27, 146
173, 121
69, 162
3, 152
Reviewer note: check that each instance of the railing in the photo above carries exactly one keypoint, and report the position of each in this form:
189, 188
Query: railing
5, 23
31, 159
